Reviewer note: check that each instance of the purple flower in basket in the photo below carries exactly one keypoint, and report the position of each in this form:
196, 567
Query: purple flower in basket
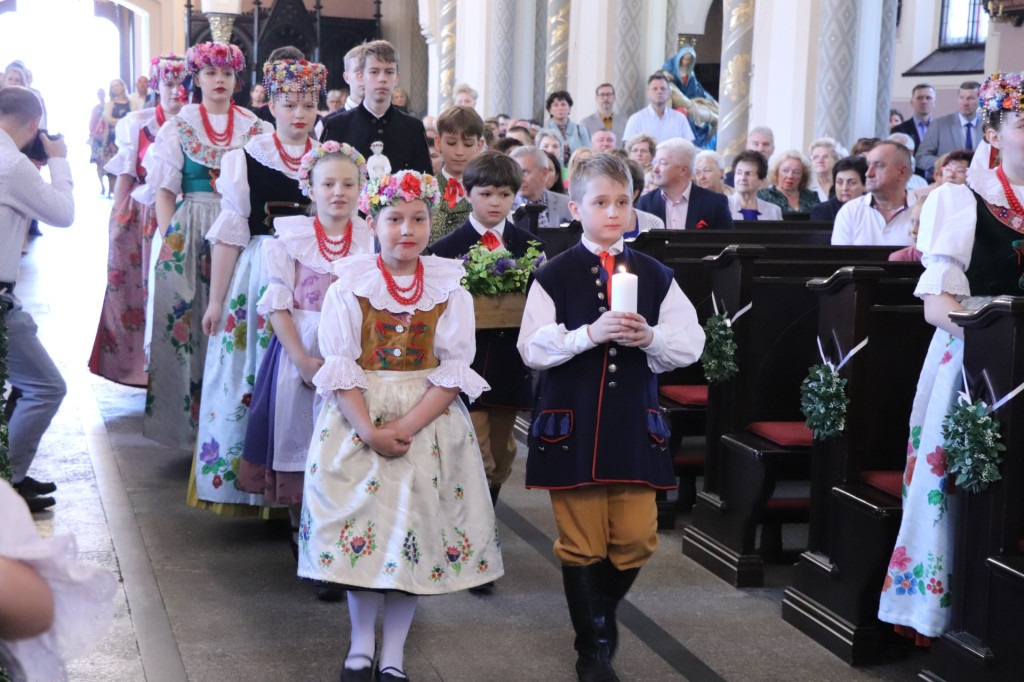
539, 261
209, 452
502, 266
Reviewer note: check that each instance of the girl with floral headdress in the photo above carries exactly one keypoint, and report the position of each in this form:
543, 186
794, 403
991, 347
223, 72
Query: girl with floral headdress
118, 351
185, 159
298, 268
258, 184
395, 502
969, 235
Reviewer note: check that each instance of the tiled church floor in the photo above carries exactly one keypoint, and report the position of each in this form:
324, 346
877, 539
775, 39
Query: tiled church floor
211, 599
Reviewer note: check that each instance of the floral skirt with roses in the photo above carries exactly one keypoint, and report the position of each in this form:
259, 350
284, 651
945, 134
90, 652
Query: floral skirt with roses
179, 289
232, 357
916, 589
421, 523
118, 352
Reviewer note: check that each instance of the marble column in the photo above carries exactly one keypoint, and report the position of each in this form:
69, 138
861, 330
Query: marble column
630, 83
671, 27
447, 59
540, 45
502, 49
734, 84
837, 56
886, 60
557, 45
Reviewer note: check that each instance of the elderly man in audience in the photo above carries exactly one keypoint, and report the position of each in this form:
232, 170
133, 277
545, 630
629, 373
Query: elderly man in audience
678, 201
604, 118
602, 141
709, 171
848, 177
749, 170
959, 130
789, 173
922, 100
882, 216
824, 154
464, 96
914, 182
534, 164
658, 119
760, 139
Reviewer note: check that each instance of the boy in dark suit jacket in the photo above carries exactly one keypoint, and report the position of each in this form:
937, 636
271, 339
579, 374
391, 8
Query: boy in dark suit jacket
492, 180
598, 442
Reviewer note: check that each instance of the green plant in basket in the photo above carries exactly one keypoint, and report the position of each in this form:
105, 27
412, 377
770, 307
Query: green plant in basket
490, 273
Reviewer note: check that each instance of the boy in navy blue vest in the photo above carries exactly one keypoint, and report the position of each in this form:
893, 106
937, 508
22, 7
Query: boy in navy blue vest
598, 441
492, 180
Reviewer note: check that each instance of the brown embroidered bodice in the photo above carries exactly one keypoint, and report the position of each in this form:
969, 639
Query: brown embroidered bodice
401, 342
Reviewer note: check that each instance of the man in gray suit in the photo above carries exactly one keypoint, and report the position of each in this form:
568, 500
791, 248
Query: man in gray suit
604, 118
534, 164
961, 130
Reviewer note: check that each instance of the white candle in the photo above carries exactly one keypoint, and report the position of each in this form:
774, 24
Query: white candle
222, 6
624, 292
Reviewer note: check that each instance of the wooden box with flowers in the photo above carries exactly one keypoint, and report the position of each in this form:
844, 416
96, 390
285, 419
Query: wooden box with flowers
498, 280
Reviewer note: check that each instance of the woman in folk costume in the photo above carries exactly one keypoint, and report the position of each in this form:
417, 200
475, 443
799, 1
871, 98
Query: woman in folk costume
969, 236
395, 501
118, 351
298, 268
185, 159
258, 184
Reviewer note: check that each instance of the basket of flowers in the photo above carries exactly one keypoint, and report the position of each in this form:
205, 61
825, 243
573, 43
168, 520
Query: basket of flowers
498, 280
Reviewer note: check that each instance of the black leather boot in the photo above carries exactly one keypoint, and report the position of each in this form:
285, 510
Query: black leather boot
616, 584
587, 602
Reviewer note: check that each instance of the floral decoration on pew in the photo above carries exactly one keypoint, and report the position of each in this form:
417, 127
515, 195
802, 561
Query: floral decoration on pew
492, 273
823, 397
718, 358
971, 441
6, 472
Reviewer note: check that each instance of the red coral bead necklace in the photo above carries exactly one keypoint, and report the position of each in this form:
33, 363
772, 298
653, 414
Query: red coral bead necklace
324, 243
409, 295
1011, 198
219, 139
291, 162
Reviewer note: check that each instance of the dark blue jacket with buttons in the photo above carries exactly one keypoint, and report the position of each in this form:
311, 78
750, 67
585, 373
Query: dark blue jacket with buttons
597, 420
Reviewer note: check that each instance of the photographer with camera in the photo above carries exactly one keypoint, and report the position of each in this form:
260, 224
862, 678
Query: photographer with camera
25, 195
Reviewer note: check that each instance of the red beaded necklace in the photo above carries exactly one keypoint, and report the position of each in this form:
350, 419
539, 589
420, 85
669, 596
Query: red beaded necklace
397, 292
324, 243
218, 139
1011, 198
161, 117
291, 162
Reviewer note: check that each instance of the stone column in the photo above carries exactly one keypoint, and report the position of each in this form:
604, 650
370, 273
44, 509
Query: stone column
447, 60
540, 44
837, 56
630, 82
734, 84
558, 46
886, 59
502, 50
671, 27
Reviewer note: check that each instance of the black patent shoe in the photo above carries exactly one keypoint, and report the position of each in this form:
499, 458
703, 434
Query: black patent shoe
359, 675
385, 676
39, 504
483, 590
328, 592
30, 487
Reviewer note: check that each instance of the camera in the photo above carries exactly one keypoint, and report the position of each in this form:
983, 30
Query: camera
35, 150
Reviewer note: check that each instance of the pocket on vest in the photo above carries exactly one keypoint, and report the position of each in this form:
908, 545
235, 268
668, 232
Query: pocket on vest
657, 427
553, 426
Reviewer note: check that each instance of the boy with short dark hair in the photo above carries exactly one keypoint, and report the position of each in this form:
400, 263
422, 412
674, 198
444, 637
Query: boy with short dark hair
492, 180
460, 137
598, 441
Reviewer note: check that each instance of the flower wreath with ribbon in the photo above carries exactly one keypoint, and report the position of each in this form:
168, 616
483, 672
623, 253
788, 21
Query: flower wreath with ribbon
214, 54
167, 68
719, 356
406, 185
315, 155
823, 397
294, 75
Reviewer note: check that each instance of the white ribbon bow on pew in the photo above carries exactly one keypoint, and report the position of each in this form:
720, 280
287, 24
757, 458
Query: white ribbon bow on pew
965, 395
728, 320
846, 358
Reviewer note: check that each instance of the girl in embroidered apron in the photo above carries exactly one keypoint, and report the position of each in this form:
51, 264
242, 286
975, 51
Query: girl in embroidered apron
970, 236
118, 351
297, 269
395, 502
185, 159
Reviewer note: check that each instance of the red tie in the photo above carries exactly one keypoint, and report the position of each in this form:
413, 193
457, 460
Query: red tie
453, 191
490, 240
608, 263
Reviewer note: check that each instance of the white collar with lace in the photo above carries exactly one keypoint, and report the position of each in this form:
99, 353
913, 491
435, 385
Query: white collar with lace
986, 183
263, 149
360, 275
299, 239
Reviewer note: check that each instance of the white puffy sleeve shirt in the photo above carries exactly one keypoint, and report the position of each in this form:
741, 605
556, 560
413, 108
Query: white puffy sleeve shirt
946, 238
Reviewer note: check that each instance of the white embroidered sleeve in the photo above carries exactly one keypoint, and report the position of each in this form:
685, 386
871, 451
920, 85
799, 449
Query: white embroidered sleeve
946, 238
165, 160
232, 225
123, 162
279, 274
340, 323
455, 346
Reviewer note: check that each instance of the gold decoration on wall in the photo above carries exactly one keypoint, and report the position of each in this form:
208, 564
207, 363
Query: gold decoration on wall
687, 39
558, 50
741, 14
736, 78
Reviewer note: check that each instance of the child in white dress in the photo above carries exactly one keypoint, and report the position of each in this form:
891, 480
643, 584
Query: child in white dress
395, 502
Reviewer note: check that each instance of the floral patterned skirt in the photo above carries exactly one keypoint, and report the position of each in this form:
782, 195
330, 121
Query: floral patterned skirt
421, 523
916, 589
118, 352
179, 289
232, 358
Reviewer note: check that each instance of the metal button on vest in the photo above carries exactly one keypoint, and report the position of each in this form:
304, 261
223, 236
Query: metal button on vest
597, 282
399, 328
613, 369
565, 448
593, 271
398, 352
602, 309
613, 352
612, 384
600, 295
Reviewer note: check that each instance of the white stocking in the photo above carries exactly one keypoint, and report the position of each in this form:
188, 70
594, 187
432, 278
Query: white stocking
362, 611
399, 609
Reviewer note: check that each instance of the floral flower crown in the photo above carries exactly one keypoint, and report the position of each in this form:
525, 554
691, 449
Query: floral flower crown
214, 54
406, 185
313, 156
1001, 92
291, 75
167, 68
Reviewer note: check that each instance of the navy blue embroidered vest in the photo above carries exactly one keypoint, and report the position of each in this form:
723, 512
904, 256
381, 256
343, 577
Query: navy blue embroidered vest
264, 184
997, 268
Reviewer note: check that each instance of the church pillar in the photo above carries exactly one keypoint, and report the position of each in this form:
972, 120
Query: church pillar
886, 60
630, 81
837, 59
502, 49
447, 56
540, 46
671, 30
557, 46
734, 85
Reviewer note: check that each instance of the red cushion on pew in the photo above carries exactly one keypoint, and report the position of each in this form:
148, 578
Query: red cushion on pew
686, 394
787, 509
688, 461
786, 434
887, 481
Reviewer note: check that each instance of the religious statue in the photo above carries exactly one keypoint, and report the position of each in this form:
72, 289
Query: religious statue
689, 95
378, 164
